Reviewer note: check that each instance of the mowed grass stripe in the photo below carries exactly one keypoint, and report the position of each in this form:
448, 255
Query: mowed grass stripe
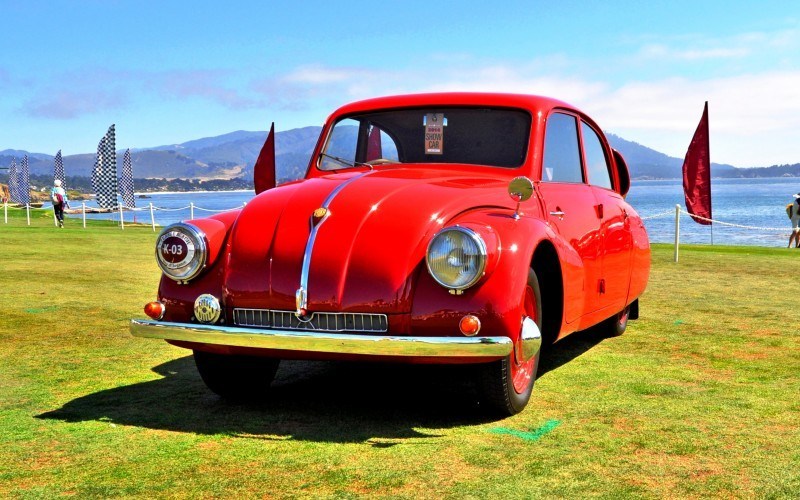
697, 399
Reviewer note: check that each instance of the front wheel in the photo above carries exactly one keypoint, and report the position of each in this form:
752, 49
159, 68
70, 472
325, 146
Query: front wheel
236, 377
506, 385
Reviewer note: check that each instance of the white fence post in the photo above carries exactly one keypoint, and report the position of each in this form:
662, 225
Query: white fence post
5, 211
191, 210
152, 217
121, 218
28, 210
83, 205
677, 229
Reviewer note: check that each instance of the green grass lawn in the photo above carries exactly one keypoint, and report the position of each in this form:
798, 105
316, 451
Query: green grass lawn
699, 398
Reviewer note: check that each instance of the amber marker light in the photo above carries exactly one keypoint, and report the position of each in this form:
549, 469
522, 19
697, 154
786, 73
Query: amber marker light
154, 310
469, 325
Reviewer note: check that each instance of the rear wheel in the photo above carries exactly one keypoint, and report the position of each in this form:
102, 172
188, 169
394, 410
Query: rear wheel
616, 325
236, 377
506, 385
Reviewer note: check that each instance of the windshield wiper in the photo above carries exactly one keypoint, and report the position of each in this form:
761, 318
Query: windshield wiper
347, 163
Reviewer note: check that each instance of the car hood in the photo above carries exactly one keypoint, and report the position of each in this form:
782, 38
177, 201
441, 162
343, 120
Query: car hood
366, 251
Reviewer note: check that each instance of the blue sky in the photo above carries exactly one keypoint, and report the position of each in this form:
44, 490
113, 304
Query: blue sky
168, 72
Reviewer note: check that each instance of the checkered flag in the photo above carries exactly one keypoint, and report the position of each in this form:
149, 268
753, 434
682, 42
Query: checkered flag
104, 175
58, 170
24, 183
13, 192
126, 181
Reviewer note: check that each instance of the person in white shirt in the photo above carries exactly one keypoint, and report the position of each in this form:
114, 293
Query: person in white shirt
795, 236
59, 198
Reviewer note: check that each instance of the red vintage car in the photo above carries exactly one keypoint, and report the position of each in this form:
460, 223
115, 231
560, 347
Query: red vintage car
436, 228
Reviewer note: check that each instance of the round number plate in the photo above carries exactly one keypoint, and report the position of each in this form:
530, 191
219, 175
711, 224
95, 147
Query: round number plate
175, 249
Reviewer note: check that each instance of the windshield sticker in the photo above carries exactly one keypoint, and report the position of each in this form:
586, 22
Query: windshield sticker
434, 133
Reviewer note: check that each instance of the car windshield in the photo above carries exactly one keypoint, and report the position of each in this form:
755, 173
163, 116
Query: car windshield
482, 136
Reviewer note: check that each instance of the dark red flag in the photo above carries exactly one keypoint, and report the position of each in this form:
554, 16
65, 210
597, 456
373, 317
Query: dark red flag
697, 173
264, 169
374, 145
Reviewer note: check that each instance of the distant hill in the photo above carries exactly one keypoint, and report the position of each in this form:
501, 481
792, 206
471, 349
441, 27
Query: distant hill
646, 163
222, 157
233, 155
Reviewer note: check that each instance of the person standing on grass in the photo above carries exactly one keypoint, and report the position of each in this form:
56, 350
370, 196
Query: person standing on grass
59, 199
795, 217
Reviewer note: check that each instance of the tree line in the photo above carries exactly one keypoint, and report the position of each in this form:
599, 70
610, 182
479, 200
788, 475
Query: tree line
84, 184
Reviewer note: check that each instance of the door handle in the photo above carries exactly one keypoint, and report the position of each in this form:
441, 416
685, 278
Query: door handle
557, 213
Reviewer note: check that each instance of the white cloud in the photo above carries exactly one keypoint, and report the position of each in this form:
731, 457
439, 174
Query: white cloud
662, 52
754, 117
67, 104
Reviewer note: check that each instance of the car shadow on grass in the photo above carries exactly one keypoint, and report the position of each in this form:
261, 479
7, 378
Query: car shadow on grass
379, 404
309, 400
569, 348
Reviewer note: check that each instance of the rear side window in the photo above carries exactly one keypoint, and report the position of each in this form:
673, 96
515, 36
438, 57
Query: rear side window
596, 163
562, 156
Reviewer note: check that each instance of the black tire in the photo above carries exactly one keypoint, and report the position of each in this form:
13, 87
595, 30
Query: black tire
496, 379
237, 378
616, 324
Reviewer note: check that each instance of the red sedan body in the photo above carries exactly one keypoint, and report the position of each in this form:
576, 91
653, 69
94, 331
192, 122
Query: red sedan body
402, 244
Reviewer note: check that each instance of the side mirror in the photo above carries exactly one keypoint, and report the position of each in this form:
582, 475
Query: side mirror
623, 174
520, 189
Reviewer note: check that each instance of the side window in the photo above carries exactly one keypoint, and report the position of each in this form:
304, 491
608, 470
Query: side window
356, 141
342, 144
596, 163
562, 156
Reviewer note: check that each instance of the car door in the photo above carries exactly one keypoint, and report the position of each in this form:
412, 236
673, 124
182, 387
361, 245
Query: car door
569, 204
615, 234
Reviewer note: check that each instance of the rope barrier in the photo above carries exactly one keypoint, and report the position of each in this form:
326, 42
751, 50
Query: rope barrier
740, 226
715, 221
217, 211
193, 207
660, 214
172, 209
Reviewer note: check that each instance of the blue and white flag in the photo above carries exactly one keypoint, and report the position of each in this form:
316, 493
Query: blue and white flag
24, 183
13, 181
126, 181
104, 174
58, 170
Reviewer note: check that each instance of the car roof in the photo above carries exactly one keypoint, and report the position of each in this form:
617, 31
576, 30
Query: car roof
532, 103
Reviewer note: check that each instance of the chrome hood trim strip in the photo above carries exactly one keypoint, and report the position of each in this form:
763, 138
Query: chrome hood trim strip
302, 293
480, 348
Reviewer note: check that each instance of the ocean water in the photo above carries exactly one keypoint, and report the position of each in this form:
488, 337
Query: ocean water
758, 204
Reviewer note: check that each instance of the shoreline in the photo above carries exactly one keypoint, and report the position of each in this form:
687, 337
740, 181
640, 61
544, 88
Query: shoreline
154, 193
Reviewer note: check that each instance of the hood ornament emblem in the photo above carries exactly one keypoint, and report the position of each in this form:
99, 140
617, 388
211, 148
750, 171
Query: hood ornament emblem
318, 215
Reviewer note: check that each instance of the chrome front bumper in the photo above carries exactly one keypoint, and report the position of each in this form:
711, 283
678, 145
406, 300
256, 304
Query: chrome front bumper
324, 342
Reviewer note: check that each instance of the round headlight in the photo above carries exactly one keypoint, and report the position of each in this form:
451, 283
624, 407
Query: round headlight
456, 257
181, 251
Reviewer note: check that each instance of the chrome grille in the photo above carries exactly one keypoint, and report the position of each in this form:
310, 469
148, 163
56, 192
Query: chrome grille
318, 321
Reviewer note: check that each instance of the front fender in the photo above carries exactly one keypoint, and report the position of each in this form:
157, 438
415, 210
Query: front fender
497, 299
178, 299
